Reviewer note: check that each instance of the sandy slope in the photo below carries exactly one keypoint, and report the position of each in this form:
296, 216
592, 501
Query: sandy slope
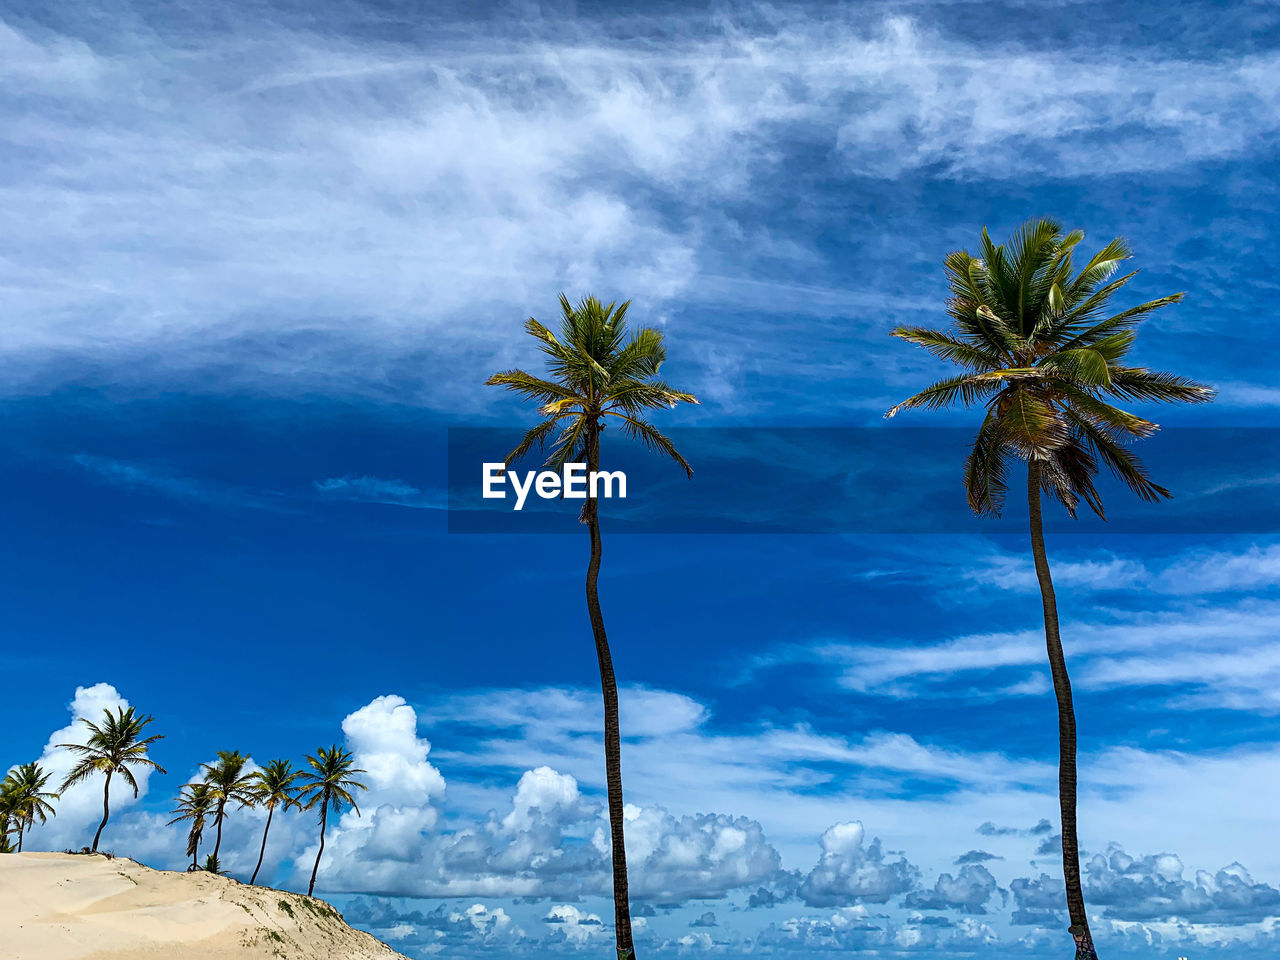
56, 906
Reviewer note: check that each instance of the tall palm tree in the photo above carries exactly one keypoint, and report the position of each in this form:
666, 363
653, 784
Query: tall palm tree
29, 781
275, 785
328, 785
195, 802
598, 372
228, 782
1043, 353
114, 746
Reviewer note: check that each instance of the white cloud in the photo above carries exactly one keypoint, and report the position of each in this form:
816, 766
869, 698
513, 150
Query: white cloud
294, 209
850, 870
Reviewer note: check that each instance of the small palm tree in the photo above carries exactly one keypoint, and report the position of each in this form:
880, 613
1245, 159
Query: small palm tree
228, 782
598, 373
29, 781
114, 746
211, 865
1043, 353
275, 785
10, 819
195, 803
328, 785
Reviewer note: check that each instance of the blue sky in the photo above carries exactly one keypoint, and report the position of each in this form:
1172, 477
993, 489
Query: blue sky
261, 258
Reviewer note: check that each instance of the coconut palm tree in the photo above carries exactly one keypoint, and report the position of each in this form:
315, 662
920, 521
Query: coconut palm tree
598, 372
228, 781
275, 785
1043, 354
328, 785
10, 820
195, 803
29, 781
114, 746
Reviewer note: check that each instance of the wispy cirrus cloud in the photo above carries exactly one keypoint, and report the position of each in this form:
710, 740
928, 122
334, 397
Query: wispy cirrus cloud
367, 489
292, 209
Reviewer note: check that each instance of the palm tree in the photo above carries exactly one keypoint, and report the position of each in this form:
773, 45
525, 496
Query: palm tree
228, 781
195, 801
10, 808
113, 747
273, 786
598, 372
328, 785
1043, 353
29, 781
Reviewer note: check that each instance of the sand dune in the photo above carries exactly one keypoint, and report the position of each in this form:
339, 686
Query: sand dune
56, 906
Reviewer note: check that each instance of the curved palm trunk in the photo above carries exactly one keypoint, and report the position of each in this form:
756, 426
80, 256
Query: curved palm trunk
106, 810
217, 842
612, 730
324, 820
263, 849
1066, 726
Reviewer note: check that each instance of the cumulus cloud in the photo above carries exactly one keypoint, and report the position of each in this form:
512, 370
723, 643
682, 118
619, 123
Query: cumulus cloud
851, 871
1153, 888
1038, 902
853, 929
968, 891
550, 842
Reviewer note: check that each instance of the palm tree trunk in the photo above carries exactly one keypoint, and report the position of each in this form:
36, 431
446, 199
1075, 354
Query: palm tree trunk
263, 849
217, 843
612, 730
1079, 928
22, 828
324, 820
106, 810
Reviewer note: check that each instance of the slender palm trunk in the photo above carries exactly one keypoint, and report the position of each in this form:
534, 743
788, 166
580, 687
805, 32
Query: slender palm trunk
195, 851
612, 730
22, 828
324, 820
263, 849
1079, 928
106, 810
217, 842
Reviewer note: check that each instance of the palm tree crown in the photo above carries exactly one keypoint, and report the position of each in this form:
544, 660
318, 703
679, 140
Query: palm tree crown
276, 785
1043, 352
329, 782
114, 746
599, 372
228, 780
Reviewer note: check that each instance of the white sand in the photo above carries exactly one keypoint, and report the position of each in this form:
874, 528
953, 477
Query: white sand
56, 906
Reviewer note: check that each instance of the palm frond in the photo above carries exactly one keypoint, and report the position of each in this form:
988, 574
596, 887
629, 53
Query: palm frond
946, 347
1136, 383
966, 389
647, 434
